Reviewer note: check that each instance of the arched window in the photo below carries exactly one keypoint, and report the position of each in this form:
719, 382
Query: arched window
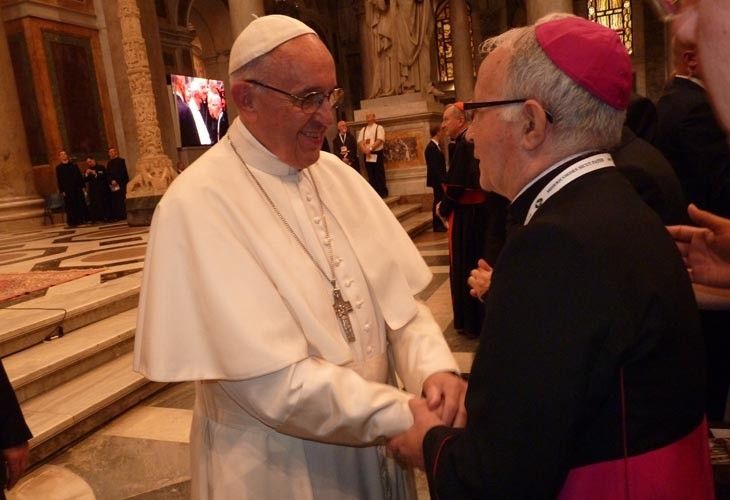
444, 45
614, 14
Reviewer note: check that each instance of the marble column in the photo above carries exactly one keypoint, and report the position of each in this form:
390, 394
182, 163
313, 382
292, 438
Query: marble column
461, 44
241, 11
154, 167
538, 8
20, 205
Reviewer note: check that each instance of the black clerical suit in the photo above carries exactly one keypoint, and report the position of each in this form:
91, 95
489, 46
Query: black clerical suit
217, 128
116, 170
13, 429
476, 231
591, 342
692, 140
435, 178
652, 176
71, 185
346, 149
99, 193
696, 146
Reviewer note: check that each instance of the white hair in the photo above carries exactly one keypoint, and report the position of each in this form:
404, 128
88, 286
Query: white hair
581, 121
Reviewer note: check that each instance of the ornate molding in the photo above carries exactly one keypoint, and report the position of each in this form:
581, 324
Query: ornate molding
154, 169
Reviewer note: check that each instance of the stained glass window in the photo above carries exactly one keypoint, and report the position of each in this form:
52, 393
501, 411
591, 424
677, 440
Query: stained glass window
444, 44
614, 14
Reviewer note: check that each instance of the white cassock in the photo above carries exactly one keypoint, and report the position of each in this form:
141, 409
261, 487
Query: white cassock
285, 406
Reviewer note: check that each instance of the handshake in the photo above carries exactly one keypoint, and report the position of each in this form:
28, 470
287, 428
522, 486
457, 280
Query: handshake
442, 404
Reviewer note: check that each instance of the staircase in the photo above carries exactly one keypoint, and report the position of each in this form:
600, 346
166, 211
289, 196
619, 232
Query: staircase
82, 378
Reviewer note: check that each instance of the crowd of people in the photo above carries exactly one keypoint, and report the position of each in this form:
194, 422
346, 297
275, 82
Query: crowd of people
95, 192
299, 308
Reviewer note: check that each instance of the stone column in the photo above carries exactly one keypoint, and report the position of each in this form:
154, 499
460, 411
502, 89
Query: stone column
154, 168
461, 41
241, 11
538, 8
19, 203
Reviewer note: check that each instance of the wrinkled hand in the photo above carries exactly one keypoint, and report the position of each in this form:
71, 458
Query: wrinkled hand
444, 220
407, 448
445, 393
16, 461
705, 249
480, 279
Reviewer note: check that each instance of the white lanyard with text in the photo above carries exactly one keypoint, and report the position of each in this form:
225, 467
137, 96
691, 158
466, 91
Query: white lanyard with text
583, 167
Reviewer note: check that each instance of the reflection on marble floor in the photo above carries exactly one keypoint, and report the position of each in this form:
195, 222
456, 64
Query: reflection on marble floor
143, 454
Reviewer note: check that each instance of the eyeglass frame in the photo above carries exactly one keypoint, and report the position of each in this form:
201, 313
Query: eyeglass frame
300, 100
470, 106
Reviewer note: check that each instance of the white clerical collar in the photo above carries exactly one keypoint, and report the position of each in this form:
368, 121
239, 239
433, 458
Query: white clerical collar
548, 170
435, 142
255, 154
692, 79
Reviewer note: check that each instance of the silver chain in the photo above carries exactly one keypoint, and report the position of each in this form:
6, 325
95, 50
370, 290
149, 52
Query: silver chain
328, 239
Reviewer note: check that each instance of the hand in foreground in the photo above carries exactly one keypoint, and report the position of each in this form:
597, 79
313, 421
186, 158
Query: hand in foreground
480, 279
407, 448
16, 461
705, 249
444, 393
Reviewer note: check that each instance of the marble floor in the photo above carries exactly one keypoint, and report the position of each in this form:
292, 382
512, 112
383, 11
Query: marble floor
143, 454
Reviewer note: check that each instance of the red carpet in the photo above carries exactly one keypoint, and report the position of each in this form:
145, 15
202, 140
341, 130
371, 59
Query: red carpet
14, 285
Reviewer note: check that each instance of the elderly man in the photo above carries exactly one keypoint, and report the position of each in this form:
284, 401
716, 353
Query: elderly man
588, 382
264, 286
345, 146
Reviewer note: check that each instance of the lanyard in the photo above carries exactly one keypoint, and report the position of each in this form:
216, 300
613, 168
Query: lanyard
583, 167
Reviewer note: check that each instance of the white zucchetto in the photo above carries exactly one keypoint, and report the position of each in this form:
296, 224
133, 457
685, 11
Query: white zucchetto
263, 35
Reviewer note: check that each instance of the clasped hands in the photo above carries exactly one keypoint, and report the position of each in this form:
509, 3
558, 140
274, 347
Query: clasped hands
442, 404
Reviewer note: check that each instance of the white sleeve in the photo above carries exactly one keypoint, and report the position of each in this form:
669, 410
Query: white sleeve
419, 350
381, 134
317, 400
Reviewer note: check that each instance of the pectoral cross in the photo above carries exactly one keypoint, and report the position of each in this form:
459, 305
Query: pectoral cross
342, 310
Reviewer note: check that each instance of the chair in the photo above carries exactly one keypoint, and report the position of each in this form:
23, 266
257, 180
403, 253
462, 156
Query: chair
54, 204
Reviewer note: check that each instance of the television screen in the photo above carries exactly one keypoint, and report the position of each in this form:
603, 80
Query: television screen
201, 109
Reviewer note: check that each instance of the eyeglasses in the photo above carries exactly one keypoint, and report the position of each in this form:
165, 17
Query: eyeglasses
311, 101
468, 106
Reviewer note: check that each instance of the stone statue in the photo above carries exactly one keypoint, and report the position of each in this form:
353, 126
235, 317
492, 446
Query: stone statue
399, 34
415, 25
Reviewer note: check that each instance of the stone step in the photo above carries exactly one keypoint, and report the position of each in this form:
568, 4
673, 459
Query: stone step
392, 200
29, 323
66, 413
50, 364
417, 223
402, 211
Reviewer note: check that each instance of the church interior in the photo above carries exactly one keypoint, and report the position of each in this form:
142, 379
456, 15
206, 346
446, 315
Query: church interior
84, 76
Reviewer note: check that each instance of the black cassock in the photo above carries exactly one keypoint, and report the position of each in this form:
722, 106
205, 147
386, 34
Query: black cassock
13, 429
590, 352
71, 185
99, 193
116, 171
476, 231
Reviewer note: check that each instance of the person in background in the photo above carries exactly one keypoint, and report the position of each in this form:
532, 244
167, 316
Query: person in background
116, 170
436, 173
345, 146
71, 186
14, 436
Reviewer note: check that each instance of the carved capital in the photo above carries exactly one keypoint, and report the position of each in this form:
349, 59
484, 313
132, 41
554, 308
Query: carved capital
154, 175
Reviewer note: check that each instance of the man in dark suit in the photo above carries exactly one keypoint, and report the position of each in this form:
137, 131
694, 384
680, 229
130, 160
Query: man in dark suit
690, 137
589, 378
345, 146
436, 173
14, 436
188, 131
